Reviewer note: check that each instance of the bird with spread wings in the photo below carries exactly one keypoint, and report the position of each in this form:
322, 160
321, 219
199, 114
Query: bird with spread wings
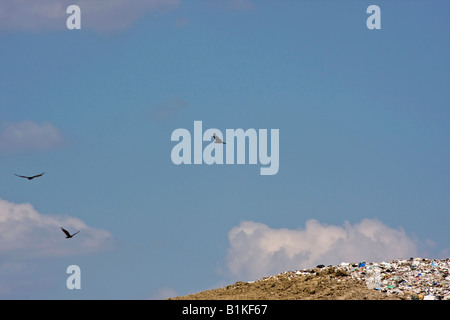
68, 235
32, 177
217, 139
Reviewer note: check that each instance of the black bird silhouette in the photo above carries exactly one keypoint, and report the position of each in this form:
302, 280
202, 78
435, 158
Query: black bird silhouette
32, 177
68, 235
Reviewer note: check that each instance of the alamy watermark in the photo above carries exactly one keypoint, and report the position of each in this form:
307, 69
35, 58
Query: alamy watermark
213, 153
74, 20
74, 280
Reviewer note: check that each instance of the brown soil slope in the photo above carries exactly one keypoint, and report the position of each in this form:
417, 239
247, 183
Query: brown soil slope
329, 284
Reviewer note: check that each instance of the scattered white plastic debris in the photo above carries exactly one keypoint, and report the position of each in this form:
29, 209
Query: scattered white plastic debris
416, 279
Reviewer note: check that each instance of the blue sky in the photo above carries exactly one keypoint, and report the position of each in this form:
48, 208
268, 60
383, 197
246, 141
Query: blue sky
363, 118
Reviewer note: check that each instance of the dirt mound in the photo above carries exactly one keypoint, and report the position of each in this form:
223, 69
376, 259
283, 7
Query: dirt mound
321, 284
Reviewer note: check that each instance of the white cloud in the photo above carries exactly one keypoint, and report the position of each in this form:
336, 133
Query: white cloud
95, 14
24, 232
31, 243
29, 136
257, 250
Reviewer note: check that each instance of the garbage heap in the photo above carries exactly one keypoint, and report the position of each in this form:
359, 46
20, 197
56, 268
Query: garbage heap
416, 278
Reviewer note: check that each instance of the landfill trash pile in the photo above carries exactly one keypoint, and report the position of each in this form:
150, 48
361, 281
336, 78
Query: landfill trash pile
415, 279
412, 279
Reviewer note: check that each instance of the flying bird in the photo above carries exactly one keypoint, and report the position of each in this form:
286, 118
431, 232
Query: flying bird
68, 235
32, 177
217, 139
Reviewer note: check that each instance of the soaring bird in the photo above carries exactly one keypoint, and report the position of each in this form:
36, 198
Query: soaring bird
217, 139
32, 177
68, 235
